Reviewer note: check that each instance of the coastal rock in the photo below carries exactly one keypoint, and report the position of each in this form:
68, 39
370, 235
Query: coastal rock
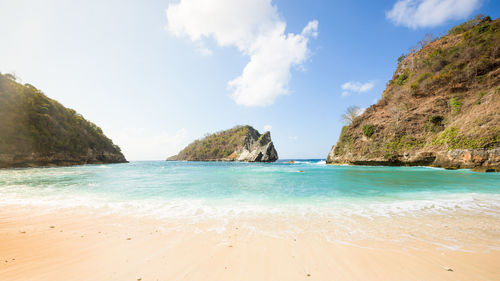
59, 159
38, 131
241, 143
440, 109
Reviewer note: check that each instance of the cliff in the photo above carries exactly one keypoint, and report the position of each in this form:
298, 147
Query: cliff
441, 108
241, 143
38, 131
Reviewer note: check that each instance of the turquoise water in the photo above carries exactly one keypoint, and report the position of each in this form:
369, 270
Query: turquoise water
218, 188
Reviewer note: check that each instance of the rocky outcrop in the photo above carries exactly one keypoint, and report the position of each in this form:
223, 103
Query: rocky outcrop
257, 148
241, 143
38, 131
59, 159
478, 159
441, 107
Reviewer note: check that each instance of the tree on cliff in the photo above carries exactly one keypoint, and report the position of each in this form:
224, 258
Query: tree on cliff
351, 113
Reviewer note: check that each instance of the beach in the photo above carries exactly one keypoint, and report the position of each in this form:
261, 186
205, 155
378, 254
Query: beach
83, 245
162, 220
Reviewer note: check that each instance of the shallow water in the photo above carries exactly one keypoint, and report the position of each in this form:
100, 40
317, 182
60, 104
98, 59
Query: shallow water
176, 189
458, 210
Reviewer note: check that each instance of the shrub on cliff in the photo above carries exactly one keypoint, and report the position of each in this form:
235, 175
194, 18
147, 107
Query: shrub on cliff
461, 28
455, 105
368, 130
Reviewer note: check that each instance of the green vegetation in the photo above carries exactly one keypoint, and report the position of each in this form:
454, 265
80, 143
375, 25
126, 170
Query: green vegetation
455, 105
368, 130
434, 124
402, 78
345, 141
401, 58
469, 58
30, 122
436, 60
419, 80
468, 25
397, 145
217, 145
452, 138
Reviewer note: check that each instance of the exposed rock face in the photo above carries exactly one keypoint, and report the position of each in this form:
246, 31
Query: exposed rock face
479, 159
59, 159
241, 143
38, 131
257, 148
442, 107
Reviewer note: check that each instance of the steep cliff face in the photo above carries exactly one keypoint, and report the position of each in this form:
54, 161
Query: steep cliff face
38, 131
241, 143
442, 107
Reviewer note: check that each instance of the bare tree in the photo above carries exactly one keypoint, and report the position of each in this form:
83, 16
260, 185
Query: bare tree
351, 113
426, 41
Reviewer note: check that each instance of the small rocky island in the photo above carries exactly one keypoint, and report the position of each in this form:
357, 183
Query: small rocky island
441, 108
38, 131
241, 143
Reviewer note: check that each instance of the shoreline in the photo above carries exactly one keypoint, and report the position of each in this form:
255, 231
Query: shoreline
41, 244
479, 169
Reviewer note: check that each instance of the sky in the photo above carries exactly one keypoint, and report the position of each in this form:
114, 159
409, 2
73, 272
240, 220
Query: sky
156, 75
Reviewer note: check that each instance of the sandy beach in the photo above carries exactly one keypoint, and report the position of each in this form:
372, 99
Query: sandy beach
83, 245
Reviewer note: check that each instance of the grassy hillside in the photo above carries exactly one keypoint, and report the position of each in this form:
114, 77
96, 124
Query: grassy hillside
30, 122
215, 146
444, 96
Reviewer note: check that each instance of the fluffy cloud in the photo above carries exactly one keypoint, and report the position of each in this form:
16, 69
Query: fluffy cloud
268, 127
255, 29
428, 13
357, 87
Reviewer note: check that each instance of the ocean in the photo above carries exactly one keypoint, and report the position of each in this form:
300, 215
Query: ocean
363, 201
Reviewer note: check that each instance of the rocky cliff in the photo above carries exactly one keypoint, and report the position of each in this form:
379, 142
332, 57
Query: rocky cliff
441, 108
38, 131
241, 143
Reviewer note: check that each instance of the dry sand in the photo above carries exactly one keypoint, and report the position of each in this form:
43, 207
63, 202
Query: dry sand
80, 245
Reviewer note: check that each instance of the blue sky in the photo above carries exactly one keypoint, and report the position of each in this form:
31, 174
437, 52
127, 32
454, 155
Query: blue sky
155, 80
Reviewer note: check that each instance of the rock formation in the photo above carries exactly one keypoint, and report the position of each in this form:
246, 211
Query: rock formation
241, 143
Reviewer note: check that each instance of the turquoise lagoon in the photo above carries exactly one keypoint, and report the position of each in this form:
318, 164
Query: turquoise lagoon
446, 208
197, 189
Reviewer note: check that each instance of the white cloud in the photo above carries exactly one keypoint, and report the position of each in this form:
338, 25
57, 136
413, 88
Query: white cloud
429, 13
357, 87
267, 128
203, 50
255, 29
139, 144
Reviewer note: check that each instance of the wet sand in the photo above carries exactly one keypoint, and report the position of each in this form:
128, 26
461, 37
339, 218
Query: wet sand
82, 245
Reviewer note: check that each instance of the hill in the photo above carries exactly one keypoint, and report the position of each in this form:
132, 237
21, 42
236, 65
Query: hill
441, 108
241, 143
38, 131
